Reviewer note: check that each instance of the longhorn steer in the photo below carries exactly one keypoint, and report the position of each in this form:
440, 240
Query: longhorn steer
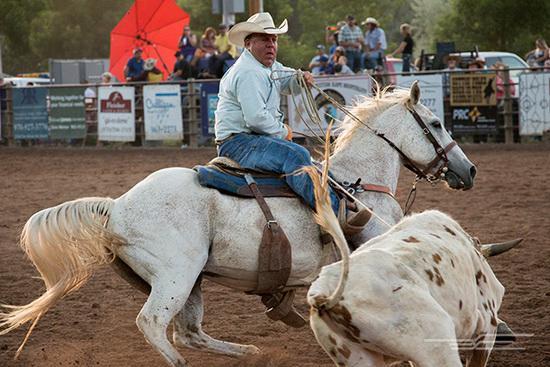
418, 293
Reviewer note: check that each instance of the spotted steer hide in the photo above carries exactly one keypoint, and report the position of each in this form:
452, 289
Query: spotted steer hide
418, 293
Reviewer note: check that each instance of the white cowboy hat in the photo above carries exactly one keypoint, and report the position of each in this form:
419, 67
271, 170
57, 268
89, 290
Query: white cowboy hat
149, 64
370, 20
258, 23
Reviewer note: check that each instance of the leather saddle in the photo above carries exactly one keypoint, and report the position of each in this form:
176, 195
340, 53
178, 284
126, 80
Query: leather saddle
275, 253
228, 177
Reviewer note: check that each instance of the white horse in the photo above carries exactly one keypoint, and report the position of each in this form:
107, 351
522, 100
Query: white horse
169, 230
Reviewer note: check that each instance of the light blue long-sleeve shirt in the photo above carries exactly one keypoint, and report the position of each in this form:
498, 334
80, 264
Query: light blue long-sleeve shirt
249, 100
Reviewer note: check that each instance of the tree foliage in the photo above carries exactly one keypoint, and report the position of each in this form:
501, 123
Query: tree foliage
35, 30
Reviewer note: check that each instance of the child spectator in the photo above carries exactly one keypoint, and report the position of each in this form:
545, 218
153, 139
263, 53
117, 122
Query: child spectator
152, 73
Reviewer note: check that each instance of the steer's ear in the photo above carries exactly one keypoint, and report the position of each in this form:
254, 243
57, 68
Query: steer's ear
415, 92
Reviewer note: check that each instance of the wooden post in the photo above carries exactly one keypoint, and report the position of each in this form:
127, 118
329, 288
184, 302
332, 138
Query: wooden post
192, 103
508, 119
254, 6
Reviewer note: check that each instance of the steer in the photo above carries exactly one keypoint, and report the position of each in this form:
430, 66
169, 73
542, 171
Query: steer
418, 293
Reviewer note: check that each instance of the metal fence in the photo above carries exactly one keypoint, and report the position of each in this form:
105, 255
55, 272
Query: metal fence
193, 116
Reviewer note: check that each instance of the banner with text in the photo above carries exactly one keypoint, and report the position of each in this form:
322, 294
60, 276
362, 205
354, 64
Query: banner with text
116, 116
431, 91
30, 113
209, 103
67, 113
344, 90
162, 112
534, 103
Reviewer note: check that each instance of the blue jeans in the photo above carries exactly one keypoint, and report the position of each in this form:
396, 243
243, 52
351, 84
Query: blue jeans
406, 63
275, 155
354, 60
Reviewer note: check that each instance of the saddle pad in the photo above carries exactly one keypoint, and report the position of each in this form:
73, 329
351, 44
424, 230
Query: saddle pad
236, 185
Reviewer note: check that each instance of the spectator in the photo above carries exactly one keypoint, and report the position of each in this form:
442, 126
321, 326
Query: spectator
342, 68
188, 43
133, 71
89, 92
375, 43
152, 73
499, 67
315, 64
206, 51
537, 57
332, 38
452, 62
182, 68
351, 38
477, 64
338, 54
106, 78
226, 52
405, 47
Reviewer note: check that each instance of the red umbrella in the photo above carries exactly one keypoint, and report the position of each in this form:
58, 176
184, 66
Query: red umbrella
153, 25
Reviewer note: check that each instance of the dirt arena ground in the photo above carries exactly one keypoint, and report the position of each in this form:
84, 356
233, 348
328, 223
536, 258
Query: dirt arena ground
95, 326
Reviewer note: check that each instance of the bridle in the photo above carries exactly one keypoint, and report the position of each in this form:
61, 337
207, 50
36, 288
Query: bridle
440, 162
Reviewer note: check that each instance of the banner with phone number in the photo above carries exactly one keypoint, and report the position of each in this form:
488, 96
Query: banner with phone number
431, 91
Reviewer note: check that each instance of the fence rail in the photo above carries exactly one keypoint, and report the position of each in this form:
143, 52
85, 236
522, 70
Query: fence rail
194, 117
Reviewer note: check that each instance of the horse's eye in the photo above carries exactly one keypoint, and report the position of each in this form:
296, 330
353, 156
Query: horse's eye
436, 124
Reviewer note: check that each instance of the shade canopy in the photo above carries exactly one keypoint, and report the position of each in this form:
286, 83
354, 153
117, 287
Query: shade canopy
153, 25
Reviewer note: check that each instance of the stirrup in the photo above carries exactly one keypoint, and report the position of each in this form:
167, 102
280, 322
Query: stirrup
280, 308
352, 222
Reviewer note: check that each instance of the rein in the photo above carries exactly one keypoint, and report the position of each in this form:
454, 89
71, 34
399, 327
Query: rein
440, 162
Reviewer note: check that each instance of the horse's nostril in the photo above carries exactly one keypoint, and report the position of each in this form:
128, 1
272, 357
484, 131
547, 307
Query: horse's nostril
473, 172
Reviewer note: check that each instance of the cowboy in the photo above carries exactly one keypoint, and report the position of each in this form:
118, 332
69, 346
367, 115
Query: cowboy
249, 124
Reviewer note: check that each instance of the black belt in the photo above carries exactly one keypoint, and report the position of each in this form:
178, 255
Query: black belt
220, 142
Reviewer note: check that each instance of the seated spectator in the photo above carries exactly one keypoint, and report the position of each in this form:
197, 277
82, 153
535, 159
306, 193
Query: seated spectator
452, 62
133, 71
477, 64
375, 44
226, 51
188, 43
499, 67
207, 49
537, 57
341, 68
182, 68
106, 78
334, 59
152, 73
315, 63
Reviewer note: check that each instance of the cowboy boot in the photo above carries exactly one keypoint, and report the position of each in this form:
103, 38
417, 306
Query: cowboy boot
352, 220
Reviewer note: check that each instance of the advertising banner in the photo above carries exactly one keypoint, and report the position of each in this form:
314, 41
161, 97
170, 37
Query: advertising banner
30, 113
344, 89
116, 114
431, 91
477, 89
534, 103
162, 112
67, 114
209, 102
470, 120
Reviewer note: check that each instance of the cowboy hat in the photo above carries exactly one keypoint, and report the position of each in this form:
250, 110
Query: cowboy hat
370, 20
258, 23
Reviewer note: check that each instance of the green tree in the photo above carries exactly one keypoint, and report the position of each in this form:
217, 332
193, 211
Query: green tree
504, 25
15, 17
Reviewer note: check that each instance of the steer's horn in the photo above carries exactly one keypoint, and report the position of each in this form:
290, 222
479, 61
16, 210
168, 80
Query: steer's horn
494, 249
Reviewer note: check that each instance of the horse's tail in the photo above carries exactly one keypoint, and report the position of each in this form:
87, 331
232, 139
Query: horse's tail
325, 217
65, 243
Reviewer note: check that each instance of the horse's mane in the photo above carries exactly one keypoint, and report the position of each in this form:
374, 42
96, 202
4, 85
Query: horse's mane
367, 108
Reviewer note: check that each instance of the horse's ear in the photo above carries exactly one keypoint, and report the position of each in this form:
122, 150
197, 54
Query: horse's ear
415, 92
